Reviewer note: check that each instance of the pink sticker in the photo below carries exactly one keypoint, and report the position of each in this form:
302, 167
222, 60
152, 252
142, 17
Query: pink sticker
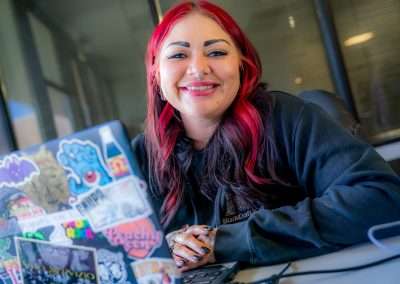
138, 238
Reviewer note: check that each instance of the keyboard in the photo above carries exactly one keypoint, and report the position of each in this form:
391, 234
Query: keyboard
211, 274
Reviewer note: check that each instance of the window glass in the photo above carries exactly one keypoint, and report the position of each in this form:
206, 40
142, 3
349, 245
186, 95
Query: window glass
369, 33
16, 80
81, 65
25, 123
106, 41
46, 50
62, 111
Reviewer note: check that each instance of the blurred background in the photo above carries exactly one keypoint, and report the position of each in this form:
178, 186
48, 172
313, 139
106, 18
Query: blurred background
67, 65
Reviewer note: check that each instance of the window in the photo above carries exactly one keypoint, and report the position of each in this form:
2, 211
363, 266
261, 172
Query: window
369, 34
68, 65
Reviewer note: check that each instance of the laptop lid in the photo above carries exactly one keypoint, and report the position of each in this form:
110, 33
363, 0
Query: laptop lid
75, 210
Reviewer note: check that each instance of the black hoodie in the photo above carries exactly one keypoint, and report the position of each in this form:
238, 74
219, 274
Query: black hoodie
339, 187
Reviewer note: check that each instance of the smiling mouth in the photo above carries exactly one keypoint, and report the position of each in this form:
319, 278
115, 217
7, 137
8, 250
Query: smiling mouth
199, 91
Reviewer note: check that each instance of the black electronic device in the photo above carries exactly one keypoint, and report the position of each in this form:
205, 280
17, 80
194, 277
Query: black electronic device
211, 274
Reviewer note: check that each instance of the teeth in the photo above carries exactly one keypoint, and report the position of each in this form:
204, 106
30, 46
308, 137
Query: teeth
200, 88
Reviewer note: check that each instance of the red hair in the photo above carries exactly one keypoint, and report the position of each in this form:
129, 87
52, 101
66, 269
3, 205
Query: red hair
243, 126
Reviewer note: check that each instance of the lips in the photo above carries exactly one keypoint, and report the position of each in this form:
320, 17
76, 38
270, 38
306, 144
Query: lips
199, 88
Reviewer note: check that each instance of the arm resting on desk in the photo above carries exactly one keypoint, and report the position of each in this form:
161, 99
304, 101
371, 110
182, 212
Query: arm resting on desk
349, 188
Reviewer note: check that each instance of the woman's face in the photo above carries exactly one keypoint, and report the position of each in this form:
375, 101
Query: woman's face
199, 68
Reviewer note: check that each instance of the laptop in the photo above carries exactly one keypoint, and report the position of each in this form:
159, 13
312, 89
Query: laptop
76, 210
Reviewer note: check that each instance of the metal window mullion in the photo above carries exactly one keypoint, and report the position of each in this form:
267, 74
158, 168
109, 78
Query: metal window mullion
8, 141
39, 88
334, 55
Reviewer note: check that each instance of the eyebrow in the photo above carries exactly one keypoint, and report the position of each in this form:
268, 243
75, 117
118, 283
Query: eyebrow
212, 41
206, 43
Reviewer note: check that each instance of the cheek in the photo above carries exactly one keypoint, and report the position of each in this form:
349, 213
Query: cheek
229, 73
170, 74
232, 80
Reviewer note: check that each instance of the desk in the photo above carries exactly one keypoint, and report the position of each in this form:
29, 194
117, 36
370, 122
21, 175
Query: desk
387, 273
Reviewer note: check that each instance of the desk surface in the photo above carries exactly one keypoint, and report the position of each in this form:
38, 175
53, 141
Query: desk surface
387, 273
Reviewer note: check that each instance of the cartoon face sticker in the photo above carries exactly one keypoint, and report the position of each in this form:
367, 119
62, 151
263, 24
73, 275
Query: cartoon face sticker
83, 160
111, 267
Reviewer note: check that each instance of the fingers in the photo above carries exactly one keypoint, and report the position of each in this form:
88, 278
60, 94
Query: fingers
186, 259
186, 253
172, 235
191, 242
179, 260
192, 246
205, 239
198, 230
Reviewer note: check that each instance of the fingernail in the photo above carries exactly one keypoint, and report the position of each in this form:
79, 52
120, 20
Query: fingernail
205, 249
197, 257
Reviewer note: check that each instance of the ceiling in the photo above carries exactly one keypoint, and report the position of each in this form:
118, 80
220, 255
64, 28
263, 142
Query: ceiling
111, 32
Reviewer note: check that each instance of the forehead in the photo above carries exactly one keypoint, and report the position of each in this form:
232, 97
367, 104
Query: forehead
196, 27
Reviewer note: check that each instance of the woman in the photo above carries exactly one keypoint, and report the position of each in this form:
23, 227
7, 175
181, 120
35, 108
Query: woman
240, 173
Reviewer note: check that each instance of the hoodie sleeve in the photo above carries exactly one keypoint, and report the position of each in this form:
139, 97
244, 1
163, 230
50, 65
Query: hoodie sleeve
348, 186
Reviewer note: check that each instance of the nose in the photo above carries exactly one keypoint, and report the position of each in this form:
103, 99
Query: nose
198, 66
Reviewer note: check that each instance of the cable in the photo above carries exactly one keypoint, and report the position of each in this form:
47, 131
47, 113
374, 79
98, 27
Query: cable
375, 241
275, 278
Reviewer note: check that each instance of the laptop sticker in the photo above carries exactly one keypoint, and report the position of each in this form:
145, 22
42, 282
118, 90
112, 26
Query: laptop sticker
8, 227
51, 226
138, 238
116, 160
48, 190
155, 270
78, 230
10, 272
15, 171
83, 161
116, 203
21, 215
111, 267
44, 262
19, 205
5, 246
9, 268
34, 235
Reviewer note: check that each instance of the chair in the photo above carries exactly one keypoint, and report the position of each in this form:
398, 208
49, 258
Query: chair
334, 106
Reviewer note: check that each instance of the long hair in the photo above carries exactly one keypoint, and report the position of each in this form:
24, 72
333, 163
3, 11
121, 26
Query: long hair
239, 139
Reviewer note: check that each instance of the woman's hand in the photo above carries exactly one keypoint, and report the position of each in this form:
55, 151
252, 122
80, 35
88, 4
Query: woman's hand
192, 246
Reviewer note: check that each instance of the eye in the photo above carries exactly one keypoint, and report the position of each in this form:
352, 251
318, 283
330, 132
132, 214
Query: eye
216, 53
179, 55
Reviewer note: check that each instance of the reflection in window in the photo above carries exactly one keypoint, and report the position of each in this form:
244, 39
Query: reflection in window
62, 112
25, 123
369, 32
